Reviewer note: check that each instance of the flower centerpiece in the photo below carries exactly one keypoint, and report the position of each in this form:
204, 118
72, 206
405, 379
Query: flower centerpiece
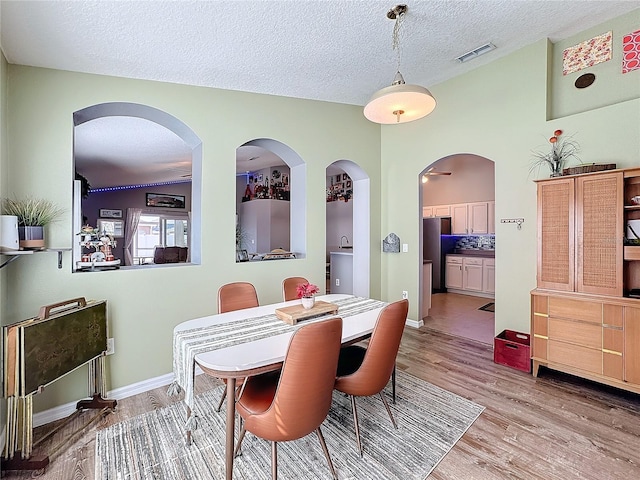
306, 293
561, 151
33, 215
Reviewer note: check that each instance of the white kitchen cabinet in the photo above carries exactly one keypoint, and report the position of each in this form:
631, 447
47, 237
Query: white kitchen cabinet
427, 212
453, 272
491, 206
442, 211
478, 218
489, 275
472, 274
459, 219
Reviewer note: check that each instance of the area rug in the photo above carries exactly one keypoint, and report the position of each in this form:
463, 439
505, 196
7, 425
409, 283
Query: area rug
489, 307
430, 422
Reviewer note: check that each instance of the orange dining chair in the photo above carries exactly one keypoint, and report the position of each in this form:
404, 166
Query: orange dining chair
294, 403
231, 297
289, 286
366, 371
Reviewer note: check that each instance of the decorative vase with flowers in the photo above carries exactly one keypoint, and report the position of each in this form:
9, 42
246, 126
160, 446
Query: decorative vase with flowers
306, 293
33, 215
561, 151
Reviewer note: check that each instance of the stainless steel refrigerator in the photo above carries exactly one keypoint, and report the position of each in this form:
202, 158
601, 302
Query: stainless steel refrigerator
436, 243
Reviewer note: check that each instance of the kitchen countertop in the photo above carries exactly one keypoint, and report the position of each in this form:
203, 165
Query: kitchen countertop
474, 253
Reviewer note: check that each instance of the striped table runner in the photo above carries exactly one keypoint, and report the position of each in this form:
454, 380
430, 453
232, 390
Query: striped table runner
189, 343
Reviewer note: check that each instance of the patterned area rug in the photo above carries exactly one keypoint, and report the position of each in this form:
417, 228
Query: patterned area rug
489, 307
430, 422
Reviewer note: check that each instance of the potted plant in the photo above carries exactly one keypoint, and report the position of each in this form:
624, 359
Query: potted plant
33, 215
561, 151
306, 293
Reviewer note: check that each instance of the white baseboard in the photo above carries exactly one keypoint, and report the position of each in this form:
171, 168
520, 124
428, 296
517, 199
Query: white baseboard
414, 323
63, 411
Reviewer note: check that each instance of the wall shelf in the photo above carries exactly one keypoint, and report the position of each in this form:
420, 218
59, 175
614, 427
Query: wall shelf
14, 255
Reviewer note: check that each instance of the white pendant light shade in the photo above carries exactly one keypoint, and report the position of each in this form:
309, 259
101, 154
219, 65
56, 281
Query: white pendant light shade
399, 104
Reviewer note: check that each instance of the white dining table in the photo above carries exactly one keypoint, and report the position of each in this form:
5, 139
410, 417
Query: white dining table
254, 353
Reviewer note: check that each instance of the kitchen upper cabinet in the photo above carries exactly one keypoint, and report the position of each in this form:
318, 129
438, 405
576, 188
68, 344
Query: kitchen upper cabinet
427, 212
491, 207
478, 218
442, 211
459, 219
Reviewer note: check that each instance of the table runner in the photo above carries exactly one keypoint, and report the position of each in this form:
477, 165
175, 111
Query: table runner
189, 343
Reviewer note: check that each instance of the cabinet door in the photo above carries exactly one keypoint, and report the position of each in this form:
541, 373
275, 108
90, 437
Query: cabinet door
489, 276
631, 353
453, 275
556, 234
442, 211
478, 218
599, 234
459, 219
427, 212
491, 207
472, 274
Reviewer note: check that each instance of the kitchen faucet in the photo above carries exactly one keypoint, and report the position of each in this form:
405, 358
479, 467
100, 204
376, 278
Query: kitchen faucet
346, 238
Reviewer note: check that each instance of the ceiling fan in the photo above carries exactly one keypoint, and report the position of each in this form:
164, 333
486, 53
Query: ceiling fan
430, 172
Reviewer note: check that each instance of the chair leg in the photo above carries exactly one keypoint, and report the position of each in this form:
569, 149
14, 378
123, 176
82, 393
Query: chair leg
355, 422
240, 438
224, 395
326, 452
393, 383
386, 405
274, 460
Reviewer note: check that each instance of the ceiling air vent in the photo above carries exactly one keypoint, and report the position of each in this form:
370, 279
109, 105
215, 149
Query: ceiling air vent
476, 52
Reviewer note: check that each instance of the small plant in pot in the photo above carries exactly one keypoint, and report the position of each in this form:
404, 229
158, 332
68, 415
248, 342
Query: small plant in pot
33, 215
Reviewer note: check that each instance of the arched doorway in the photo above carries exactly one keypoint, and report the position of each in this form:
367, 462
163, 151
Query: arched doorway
457, 238
360, 222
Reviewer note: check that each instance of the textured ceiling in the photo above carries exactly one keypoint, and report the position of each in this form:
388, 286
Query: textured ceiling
330, 50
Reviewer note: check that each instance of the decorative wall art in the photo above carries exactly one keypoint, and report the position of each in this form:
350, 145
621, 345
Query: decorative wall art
631, 52
587, 54
110, 213
391, 244
165, 200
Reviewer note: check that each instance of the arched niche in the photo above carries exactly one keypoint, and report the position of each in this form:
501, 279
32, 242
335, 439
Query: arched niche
361, 241
297, 190
163, 124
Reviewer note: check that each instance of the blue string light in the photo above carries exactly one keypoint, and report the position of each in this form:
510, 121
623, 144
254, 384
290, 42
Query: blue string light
130, 187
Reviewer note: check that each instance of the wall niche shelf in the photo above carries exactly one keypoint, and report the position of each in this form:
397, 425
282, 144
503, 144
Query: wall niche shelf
14, 255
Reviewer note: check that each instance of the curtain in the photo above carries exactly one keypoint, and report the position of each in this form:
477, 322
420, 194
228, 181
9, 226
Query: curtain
131, 227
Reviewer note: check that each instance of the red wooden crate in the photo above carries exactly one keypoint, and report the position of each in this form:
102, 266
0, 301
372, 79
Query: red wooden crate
513, 350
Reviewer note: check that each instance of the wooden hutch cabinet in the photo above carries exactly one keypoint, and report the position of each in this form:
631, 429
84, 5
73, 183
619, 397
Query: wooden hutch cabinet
585, 311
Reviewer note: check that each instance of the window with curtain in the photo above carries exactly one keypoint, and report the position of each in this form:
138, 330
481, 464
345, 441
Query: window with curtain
159, 230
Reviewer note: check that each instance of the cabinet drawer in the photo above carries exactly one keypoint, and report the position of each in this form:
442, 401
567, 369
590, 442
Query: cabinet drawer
540, 326
584, 334
489, 262
456, 260
576, 356
472, 261
612, 339
539, 347
575, 309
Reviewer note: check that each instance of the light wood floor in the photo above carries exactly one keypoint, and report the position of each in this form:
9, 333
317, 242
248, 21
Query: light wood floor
458, 315
552, 427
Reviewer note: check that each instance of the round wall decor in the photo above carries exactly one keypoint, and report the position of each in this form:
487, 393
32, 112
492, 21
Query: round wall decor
586, 80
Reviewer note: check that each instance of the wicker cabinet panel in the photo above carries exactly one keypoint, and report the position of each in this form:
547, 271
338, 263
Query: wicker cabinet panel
556, 230
599, 232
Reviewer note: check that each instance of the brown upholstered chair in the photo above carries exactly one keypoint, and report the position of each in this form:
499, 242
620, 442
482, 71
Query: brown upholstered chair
364, 372
293, 404
231, 297
236, 296
289, 286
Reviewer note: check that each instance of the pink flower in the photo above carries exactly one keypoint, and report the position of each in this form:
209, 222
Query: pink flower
306, 290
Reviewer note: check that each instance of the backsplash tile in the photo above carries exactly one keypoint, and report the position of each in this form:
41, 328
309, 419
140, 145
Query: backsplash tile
480, 242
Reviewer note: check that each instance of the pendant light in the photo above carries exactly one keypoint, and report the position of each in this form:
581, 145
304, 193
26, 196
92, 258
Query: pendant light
400, 102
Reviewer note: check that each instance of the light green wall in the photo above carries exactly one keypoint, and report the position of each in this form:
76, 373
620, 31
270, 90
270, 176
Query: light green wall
611, 85
145, 304
497, 111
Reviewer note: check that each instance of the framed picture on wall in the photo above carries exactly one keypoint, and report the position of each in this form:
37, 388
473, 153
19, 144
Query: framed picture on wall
115, 228
165, 200
344, 176
110, 213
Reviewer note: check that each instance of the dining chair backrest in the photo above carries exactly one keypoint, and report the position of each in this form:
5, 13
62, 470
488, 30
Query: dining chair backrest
380, 357
236, 296
303, 395
289, 287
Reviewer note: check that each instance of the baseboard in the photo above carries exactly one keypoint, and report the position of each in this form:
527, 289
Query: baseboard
414, 323
63, 411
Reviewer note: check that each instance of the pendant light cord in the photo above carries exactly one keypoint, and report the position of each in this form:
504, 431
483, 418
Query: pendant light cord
397, 30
